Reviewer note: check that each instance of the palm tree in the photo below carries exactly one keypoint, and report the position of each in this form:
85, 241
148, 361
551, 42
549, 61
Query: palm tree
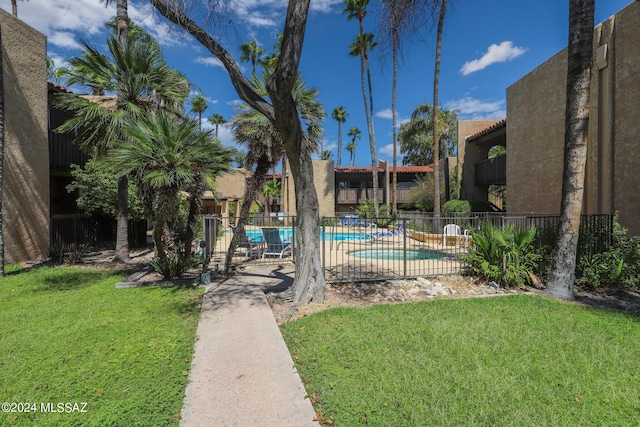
144, 82
165, 156
198, 105
354, 133
416, 136
122, 228
436, 77
2, 143
326, 155
581, 17
361, 47
251, 52
340, 115
217, 120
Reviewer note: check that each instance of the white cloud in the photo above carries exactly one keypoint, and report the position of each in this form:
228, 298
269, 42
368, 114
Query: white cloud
502, 52
386, 150
63, 39
476, 109
387, 113
209, 61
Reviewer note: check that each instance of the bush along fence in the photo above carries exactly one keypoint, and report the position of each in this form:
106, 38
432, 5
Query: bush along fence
355, 248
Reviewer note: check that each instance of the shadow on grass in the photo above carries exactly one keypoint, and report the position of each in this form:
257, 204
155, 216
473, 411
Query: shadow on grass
64, 280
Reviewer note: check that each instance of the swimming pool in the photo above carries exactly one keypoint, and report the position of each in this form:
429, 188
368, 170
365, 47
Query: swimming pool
397, 254
286, 234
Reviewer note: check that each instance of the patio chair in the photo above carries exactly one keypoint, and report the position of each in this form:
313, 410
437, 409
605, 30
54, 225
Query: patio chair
451, 230
250, 245
396, 232
275, 245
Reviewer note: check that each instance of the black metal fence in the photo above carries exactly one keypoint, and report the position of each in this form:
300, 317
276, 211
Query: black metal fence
358, 249
75, 230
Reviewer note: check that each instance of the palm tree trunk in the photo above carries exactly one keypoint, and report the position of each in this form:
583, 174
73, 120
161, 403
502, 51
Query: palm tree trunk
581, 17
372, 143
339, 143
14, 7
122, 228
195, 209
251, 191
436, 139
2, 141
394, 176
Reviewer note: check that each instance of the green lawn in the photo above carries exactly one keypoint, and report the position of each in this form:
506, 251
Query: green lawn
508, 361
68, 336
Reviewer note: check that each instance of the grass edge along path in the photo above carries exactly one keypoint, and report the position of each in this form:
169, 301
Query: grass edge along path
121, 355
510, 361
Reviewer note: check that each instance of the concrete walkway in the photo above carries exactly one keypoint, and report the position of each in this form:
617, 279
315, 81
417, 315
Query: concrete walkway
242, 373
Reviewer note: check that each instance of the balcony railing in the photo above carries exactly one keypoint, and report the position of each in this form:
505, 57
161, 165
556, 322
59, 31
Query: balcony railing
63, 152
492, 171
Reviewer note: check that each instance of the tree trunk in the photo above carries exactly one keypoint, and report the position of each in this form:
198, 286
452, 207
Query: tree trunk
122, 229
394, 118
14, 7
256, 182
309, 284
195, 210
372, 144
436, 140
339, 142
2, 141
580, 51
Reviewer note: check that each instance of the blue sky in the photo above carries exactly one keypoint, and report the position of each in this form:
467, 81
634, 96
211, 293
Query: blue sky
487, 46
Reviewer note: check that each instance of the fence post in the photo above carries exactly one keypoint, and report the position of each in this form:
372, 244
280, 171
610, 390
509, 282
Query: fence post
404, 247
322, 244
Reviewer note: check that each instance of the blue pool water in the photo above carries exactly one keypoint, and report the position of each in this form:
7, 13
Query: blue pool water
286, 233
396, 254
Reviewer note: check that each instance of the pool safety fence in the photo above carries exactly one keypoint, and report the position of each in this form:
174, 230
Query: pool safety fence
355, 248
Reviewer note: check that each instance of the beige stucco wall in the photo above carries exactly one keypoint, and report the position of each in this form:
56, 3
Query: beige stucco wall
26, 162
535, 128
324, 181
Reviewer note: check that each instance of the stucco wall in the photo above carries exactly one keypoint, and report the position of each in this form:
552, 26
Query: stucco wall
536, 120
26, 162
324, 181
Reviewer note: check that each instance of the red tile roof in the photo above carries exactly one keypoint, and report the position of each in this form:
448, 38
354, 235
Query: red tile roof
367, 169
58, 87
494, 127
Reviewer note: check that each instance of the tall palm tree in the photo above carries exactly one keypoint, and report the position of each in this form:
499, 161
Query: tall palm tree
416, 136
436, 77
361, 47
217, 120
198, 105
122, 228
354, 133
340, 115
166, 155
250, 51
2, 143
579, 63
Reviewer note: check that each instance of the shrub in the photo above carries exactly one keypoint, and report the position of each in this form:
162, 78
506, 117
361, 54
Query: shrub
459, 207
505, 256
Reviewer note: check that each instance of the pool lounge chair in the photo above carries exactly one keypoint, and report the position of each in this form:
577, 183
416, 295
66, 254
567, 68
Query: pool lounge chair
396, 233
253, 246
275, 245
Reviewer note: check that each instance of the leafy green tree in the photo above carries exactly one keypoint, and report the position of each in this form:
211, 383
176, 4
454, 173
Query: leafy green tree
166, 156
581, 24
198, 105
416, 136
97, 190
340, 115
